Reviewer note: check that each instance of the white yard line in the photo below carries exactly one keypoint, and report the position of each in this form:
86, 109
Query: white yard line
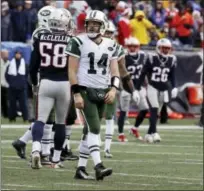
175, 182
21, 185
170, 159
168, 127
122, 144
121, 174
77, 184
156, 153
93, 185
119, 161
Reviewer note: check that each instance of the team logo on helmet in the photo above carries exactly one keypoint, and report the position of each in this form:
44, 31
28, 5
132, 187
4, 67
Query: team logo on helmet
45, 12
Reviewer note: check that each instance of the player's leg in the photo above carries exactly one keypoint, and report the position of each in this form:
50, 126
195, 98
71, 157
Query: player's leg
20, 144
153, 100
62, 103
92, 113
44, 105
70, 120
125, 98
164, 98
109, 115
164, 114
143, 107
84, 153
46, 139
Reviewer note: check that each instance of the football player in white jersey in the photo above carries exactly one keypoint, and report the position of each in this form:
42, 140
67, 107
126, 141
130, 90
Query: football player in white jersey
128, 85
110, 108
92, 62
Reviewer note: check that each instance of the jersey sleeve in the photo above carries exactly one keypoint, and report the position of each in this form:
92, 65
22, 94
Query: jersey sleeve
144, 72
121, 52
115, 52
73, 47
34, 63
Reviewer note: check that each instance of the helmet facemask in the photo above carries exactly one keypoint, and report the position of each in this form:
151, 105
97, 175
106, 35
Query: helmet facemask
57, 26
133, 49
94, 28
109, 34
164, 50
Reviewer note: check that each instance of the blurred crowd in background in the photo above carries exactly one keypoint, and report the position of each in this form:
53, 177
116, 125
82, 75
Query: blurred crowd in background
179, 20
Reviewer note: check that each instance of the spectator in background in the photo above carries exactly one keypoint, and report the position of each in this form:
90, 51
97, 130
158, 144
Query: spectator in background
31, 19
145, 6
37, 4
16, 76
174, 38
18, 22
4, 84
198, 22
158, 15
124, 30
183, 22
163, 32
84, 8
154, 38
112, 12
6, 28
140, 27
171, 12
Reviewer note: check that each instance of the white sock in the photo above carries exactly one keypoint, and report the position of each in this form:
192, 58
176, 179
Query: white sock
27, 136
68, 134
45, 142
36, 146
65, 143
56, 156
109, 134
93, 145
83, 153
99, 139
52, 139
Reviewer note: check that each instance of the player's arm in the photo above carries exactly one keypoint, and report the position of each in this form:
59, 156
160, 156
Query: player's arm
34, 63
143, 74
172, 76
126, 80
172, 79
73, 64
125, 76
115, 79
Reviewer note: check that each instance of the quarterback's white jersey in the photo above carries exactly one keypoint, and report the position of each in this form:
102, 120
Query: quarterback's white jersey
94, 63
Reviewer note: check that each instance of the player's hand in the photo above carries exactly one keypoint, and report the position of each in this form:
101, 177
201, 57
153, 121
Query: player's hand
136, 97
78, 100
110, 96
35, 90
174, 92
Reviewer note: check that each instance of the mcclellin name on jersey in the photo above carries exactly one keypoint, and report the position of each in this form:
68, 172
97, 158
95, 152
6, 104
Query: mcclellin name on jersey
55, 38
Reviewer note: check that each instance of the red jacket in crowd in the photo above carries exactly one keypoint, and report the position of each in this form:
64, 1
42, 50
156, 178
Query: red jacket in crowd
124, 30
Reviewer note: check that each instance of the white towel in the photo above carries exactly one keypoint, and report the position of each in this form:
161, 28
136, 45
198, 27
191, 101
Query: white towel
13, 69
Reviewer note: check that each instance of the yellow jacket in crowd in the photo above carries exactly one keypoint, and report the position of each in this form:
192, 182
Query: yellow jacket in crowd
140, 26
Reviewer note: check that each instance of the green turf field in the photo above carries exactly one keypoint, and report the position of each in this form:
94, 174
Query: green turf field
174, 164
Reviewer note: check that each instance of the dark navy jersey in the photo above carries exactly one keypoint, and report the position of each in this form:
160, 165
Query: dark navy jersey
48, 56
134, 65
160, 72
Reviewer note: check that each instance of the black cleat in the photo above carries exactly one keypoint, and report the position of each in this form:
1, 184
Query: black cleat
101, 171
68, 155
45, 160
20, 148
82, 174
